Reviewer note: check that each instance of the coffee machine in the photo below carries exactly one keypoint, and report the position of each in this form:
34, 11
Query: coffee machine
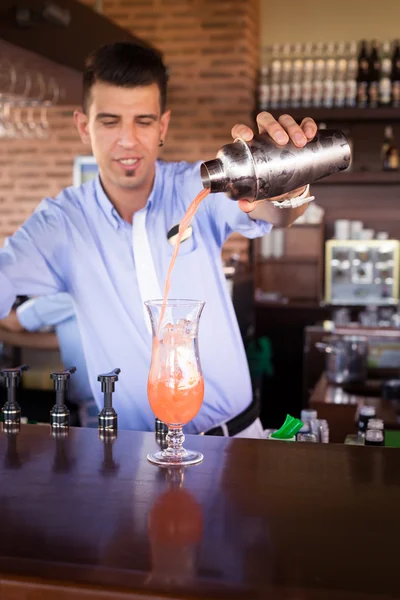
362, 272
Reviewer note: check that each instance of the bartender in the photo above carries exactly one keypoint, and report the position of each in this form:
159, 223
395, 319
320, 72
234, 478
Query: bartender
106, 243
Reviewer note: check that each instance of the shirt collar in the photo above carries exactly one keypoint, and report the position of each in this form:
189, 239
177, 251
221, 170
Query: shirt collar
105, 204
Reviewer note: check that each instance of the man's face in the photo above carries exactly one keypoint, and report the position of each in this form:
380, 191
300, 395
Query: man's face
124, 127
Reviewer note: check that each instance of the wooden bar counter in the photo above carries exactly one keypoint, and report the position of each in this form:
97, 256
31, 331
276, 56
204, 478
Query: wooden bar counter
81, 518
25, 339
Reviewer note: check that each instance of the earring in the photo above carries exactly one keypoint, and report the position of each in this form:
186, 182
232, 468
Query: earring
161, 143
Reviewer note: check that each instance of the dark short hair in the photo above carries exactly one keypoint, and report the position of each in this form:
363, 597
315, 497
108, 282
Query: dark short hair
125, 64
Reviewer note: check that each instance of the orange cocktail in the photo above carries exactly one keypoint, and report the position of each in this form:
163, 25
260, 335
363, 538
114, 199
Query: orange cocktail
173, 404
175, 384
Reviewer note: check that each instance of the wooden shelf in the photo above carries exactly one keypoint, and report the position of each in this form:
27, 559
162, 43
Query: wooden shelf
291, 304
341, 114
288, 260
361, 178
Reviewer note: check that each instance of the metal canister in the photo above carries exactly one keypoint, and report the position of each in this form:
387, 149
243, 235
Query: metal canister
263, 169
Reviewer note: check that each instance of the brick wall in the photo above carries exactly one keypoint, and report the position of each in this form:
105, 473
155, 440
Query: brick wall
211, 49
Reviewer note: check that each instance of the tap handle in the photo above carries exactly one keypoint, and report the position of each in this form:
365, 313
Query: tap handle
12, 376
108, 381
60, 378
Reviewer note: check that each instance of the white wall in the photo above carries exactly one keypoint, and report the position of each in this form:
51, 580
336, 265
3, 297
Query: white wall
319, 20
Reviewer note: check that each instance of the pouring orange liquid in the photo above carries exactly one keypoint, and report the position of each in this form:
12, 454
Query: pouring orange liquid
174, 401
183, 225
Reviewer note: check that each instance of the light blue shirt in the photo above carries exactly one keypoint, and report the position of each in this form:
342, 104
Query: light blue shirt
58, 310
78, 244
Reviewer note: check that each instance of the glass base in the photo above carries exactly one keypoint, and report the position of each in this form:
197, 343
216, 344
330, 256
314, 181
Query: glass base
164, 458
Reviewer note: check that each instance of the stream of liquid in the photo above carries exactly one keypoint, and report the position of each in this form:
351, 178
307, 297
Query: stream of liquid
175, 394
183, 225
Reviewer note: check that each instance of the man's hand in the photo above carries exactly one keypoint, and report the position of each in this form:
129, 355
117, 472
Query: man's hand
281, 131
11, 323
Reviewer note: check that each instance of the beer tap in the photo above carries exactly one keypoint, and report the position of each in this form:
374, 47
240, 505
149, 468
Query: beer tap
11, 409
108, 418
59, 415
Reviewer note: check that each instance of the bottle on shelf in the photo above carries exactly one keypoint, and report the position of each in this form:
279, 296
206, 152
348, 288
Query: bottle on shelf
390, 151
318, 75
296, 75
385, 82
328, 88
276, 75
264, 88
340, 70
396, 75
307, 82
287, 70
374, 72
362, 76
351, 74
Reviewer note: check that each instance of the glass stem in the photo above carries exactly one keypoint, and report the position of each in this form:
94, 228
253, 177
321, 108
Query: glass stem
175, 439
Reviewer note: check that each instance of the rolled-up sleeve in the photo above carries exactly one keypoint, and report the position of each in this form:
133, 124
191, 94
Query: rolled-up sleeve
227, 218
45, 311
32, 260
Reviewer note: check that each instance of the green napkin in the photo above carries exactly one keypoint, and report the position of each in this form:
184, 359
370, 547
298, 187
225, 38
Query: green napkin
392, 439
289, 429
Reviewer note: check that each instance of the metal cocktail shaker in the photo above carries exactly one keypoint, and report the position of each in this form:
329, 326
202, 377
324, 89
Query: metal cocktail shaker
262, 169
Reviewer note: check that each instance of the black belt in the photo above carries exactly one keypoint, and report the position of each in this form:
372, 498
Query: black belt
240, 422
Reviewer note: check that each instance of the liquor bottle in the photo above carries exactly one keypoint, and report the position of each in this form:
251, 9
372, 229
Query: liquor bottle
318, 76
390, 152
296, 76
339, 91
351, 74
329, 73
276, 75
308, 70
374, 75
287, 66
264, 89
385, 82
396, 75
362, 76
